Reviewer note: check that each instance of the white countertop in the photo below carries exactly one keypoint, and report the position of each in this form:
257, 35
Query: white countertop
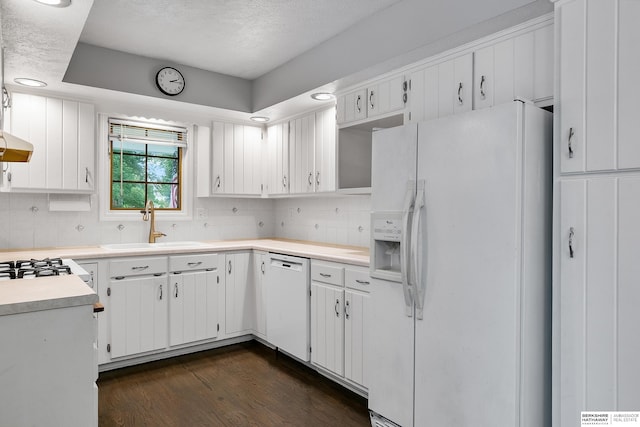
354, 255
44, 293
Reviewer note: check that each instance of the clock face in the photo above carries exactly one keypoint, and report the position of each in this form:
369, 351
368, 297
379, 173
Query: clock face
170, 81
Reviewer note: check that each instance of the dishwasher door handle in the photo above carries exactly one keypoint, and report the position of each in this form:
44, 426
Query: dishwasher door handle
286, 265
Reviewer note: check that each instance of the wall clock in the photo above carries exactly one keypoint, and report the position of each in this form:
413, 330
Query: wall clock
170, 81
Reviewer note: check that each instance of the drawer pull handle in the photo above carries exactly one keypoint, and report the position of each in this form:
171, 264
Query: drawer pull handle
571, 233
362, 282
140, 268
325, 275
570, 142
194, 264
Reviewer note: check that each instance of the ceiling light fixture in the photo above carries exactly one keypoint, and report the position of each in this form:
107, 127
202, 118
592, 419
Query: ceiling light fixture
259, 119
55, 3
322, 96
29, 82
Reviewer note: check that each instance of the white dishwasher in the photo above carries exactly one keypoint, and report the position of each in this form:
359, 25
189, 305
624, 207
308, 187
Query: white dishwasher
288, 304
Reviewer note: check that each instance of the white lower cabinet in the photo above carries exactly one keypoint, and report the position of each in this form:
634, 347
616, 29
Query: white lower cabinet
339, 306
327, 326
596, 296
240, 303
138, 298
260, 260
193, 302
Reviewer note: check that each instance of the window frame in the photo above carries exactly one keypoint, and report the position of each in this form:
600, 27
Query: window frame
184, 213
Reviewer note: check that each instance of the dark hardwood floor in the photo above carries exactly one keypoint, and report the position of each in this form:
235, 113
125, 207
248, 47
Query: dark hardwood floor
240, 385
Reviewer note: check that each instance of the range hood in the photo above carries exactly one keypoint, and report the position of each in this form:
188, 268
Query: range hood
14, 149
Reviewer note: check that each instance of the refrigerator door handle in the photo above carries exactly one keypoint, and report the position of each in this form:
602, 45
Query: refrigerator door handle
416, 250
407, 209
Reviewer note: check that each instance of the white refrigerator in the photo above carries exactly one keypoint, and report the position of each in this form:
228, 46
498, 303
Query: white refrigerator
461, 271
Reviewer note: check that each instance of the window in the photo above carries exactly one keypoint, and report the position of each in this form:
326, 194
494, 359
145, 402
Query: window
146, 164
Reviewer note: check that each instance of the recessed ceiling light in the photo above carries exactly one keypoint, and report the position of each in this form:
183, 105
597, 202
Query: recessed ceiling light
259, 119
29, 82
322, 96
55, 3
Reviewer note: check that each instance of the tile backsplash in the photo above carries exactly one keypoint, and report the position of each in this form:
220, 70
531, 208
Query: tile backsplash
26, 222
339, 220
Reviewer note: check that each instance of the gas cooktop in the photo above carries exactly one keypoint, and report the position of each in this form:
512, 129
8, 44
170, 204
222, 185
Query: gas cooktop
32, 268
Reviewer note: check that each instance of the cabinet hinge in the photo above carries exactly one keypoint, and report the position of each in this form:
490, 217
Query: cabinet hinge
108, 292
108, 348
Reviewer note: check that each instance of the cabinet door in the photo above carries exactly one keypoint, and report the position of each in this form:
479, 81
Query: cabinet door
327, 327
356, 306
218, 158
240, 303
570, 18
325, 150
28, 121
628, 86
455, 78
597, 242
138, 315
278, 154
55, 153
252, 150
193, 307
259, 273
301, 150
424, 99
494, 74
86, 148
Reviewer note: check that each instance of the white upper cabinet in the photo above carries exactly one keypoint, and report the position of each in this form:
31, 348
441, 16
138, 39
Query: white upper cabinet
301, 151
442, 89
598, 91
63, 136
312, 152
382, 97
278, 159
236, 160
325, 150
518, 67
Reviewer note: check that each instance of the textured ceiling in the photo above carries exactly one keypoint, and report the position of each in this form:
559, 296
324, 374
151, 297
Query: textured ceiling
242, 38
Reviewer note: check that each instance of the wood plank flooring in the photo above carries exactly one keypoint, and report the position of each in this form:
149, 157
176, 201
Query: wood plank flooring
240, 385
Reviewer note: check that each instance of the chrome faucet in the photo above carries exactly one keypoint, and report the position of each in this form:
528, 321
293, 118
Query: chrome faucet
149, 212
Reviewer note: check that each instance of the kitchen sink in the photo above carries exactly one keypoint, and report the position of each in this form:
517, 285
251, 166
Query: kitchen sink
125, 246
183, 244
129, 246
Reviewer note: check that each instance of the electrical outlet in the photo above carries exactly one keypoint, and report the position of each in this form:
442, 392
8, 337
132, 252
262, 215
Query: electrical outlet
201, 213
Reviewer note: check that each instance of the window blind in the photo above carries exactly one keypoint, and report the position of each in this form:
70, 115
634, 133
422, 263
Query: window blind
130, 131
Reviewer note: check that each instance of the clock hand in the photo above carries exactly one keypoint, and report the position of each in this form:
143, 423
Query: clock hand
173, 81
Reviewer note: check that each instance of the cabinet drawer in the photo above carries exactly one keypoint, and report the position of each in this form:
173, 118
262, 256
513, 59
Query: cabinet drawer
138, 266
193, 262
357, 278
327, 273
